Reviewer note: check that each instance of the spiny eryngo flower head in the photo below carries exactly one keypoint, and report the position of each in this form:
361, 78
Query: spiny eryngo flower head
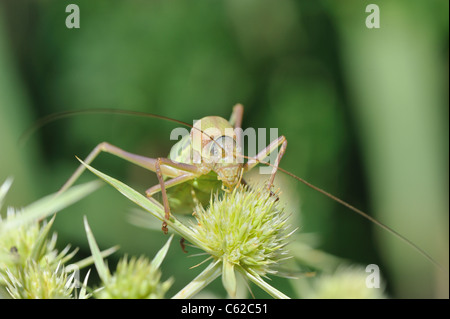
36, 282
346, 283
246, 227
136, 278
24, 239
28, 242
20, 240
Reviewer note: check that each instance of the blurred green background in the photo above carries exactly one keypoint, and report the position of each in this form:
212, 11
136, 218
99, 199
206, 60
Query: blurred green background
365, 112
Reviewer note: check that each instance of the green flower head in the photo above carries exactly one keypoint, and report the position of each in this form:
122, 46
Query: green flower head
246, 228
37, 282
345, 283
136, 278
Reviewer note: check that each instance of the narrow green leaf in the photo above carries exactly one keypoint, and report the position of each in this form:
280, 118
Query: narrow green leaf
201, 281
149, 204
152, 206
38, 246
156, 262
100, 265
4, 189
90, 260
50, 205
65, 258
83, 290
264, 285
229, 278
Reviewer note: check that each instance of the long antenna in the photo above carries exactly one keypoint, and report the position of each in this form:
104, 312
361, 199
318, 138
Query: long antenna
60, 115
360, 212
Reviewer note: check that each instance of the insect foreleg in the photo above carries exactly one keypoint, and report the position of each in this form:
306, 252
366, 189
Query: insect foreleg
253, 161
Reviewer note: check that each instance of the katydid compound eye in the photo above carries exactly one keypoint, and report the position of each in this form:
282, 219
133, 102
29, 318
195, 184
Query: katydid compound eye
215, 149
222, 146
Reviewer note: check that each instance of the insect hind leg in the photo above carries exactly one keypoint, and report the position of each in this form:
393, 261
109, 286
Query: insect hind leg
148, 163
180, 171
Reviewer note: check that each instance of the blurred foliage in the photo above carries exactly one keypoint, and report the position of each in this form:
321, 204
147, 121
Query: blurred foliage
364, 110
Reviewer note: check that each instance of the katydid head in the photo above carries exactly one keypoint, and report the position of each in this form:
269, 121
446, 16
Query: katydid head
214, 141
209, 129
